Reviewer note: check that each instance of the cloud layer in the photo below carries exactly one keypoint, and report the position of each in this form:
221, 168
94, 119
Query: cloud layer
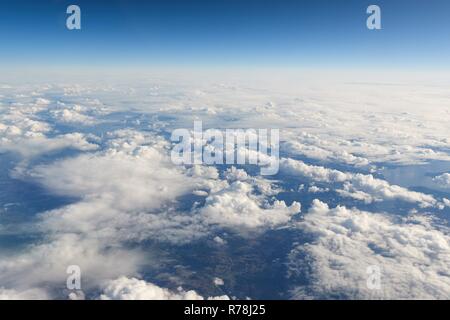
104, 147
413, 256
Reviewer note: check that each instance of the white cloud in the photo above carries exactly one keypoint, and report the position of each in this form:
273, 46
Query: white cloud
73, 116
128, 193
446, 202
97, 260
23, 131
34, 145
316, 189
359, 186
42, 102
141, 181
133, 289
234, 174
313, 147
236, 207
219, 240
412, 254
218, 282
315, 173
200, 193
443, 180
86, 114
29, 294
372, 189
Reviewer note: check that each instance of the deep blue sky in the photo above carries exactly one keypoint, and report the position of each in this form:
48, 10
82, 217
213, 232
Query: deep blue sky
319, 33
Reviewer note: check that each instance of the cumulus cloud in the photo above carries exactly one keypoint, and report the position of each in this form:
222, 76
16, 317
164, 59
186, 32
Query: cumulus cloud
413, 256
42, 102
316, 189
218, 282
370, 189
97, 260
73, 116
443, 180
363, 187
142, 181
93, 231
129, 192
23, 131
219, 240
236, 207
313, 147
133, 289
315, 173
234, 174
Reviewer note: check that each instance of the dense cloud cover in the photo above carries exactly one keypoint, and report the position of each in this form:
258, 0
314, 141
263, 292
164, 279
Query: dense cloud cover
105, 150
413, 257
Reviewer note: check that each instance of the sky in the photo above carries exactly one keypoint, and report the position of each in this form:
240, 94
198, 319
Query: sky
88, 179
266, 33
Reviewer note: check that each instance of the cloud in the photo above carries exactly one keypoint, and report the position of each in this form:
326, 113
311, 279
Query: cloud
133, 289
23, 131
42, 102
443, 180
126, 194
370, 189
30, 294
342, 243
234, 174
219, 241
125, 191
86, 114
73, 116
237, 208
315, 173
356, 123
34, 145
97, 260
218, 282
313, 147
316, 189
144, 180
363, 187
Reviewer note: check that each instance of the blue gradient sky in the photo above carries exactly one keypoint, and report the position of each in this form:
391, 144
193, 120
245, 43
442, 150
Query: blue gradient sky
316, 34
